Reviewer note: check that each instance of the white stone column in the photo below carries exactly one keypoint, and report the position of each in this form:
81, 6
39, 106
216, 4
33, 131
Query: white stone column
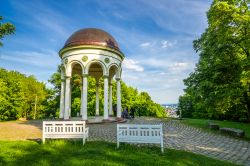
67, 98
110, 100
97, 99
84, 97
118, 91
80, 113
106, 113
70, 96
62, 98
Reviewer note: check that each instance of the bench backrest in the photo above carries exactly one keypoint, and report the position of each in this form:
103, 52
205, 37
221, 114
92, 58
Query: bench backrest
138, 132
63, 127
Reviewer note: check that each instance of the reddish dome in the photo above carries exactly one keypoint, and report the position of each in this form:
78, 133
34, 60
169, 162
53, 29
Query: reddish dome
91, 36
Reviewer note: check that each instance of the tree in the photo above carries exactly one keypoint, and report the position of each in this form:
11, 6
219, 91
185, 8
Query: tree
18, 96
185, 107
220, 84
5, 29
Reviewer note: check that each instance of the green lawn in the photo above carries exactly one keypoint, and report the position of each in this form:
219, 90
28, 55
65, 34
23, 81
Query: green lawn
202, 123
59, 152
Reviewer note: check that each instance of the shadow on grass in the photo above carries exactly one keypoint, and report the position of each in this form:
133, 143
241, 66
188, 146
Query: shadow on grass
58, 152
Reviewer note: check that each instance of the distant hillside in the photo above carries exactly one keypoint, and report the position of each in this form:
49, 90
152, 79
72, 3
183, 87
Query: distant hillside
169, 105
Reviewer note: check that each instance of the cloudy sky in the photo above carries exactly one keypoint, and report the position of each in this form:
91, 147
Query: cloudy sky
155, 36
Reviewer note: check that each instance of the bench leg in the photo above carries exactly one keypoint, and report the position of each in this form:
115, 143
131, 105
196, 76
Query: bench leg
83, 140
162, 148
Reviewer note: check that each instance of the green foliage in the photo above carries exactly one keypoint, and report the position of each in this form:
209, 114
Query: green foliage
5, 29
96, 153
17, 96
130, 96
185, 103
219, 88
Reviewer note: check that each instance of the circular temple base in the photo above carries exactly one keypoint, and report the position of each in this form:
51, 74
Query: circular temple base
100, 120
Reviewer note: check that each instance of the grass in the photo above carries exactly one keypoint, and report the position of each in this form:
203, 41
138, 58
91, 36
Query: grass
59, 152
202, 123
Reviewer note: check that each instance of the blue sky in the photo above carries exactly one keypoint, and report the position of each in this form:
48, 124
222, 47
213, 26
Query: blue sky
155, 36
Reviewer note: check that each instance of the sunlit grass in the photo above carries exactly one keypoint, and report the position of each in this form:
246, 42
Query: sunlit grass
61, 152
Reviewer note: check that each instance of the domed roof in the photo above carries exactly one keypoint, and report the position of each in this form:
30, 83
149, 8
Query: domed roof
91, 36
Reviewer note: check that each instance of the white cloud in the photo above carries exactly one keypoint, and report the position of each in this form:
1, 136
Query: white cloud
130, 64
48, 59
180, 66
146, 44
167, 65
162, 87
161, 78
158, 43
167, 44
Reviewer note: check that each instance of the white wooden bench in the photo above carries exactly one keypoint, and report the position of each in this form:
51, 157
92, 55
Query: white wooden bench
65, 129
137, 133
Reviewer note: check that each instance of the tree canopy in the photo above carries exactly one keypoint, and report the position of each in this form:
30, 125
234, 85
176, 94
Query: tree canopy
219, 88
5, 29
19, 94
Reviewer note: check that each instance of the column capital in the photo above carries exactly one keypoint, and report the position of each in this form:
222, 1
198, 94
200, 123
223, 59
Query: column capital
118, 79
85, 75
67, 77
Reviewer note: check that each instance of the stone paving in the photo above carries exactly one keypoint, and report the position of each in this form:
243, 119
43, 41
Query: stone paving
183, 137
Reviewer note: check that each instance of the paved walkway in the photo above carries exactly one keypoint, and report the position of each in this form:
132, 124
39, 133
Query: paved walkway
176, 136
183, 137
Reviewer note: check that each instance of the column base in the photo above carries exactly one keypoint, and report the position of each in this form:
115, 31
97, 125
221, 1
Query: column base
107, 120
66, 119
119, 119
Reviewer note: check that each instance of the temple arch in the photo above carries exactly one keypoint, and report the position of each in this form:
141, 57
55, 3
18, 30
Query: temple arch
93, 62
